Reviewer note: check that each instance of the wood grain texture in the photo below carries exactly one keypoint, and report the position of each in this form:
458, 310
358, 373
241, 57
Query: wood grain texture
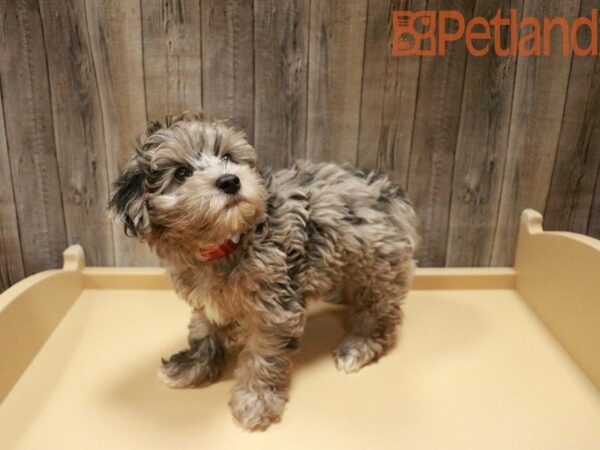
115, 31
540, 91
474, 139
228, 61
434, 139
336, 55
481, 147
281, 83
172, 56
30, 136
77, 114
389, 94
11, 258
593, 228
577, 162
594, 222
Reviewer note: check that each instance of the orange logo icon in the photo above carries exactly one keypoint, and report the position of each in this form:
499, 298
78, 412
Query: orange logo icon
408, 40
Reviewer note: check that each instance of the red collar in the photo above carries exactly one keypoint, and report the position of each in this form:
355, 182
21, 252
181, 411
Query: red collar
224, 249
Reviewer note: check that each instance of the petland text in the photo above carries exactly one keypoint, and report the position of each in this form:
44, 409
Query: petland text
427, 33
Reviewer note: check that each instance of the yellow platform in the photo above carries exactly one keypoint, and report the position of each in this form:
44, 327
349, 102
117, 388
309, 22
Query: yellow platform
487, 359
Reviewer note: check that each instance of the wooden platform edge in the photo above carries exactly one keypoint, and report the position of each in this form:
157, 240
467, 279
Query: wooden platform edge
425, 279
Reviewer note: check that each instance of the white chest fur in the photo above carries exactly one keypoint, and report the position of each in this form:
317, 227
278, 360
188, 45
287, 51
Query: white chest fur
203, 298
212, 311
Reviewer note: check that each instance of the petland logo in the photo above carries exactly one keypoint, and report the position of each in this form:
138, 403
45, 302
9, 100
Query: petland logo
427, 33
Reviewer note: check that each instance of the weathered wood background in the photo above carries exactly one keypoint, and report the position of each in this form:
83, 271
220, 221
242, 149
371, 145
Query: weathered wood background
474, 139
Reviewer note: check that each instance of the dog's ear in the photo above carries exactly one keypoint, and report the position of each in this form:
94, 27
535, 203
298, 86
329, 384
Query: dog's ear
127, 203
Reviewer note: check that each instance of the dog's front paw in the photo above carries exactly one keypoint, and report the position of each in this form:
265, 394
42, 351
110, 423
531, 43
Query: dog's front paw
355, 352
257, 409
188, 368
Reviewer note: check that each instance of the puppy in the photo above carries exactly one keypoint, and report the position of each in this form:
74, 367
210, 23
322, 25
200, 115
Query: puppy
248, 250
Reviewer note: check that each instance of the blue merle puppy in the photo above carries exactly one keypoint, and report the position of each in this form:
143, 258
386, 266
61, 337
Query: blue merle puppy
248, 250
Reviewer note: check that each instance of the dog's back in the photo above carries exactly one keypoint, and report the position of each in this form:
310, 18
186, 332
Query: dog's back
344, 226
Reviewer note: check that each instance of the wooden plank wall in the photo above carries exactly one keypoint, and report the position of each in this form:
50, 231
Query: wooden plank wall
474, 139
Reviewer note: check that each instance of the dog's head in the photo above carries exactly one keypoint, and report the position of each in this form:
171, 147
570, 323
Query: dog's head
191, 183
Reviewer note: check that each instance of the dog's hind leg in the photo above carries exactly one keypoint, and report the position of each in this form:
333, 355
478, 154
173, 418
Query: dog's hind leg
202, 362
375, 315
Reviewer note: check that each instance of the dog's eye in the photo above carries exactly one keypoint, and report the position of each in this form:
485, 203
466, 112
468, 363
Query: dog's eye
227, 157
182, 173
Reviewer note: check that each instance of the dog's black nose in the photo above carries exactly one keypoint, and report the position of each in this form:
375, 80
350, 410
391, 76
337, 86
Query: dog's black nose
229, 183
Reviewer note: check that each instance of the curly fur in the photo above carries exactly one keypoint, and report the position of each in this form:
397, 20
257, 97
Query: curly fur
313, 231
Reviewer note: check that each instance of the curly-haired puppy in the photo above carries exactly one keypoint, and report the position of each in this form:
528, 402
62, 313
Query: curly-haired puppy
248, 250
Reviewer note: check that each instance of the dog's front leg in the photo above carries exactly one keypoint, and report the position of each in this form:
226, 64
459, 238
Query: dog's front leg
263, 373
201, 362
